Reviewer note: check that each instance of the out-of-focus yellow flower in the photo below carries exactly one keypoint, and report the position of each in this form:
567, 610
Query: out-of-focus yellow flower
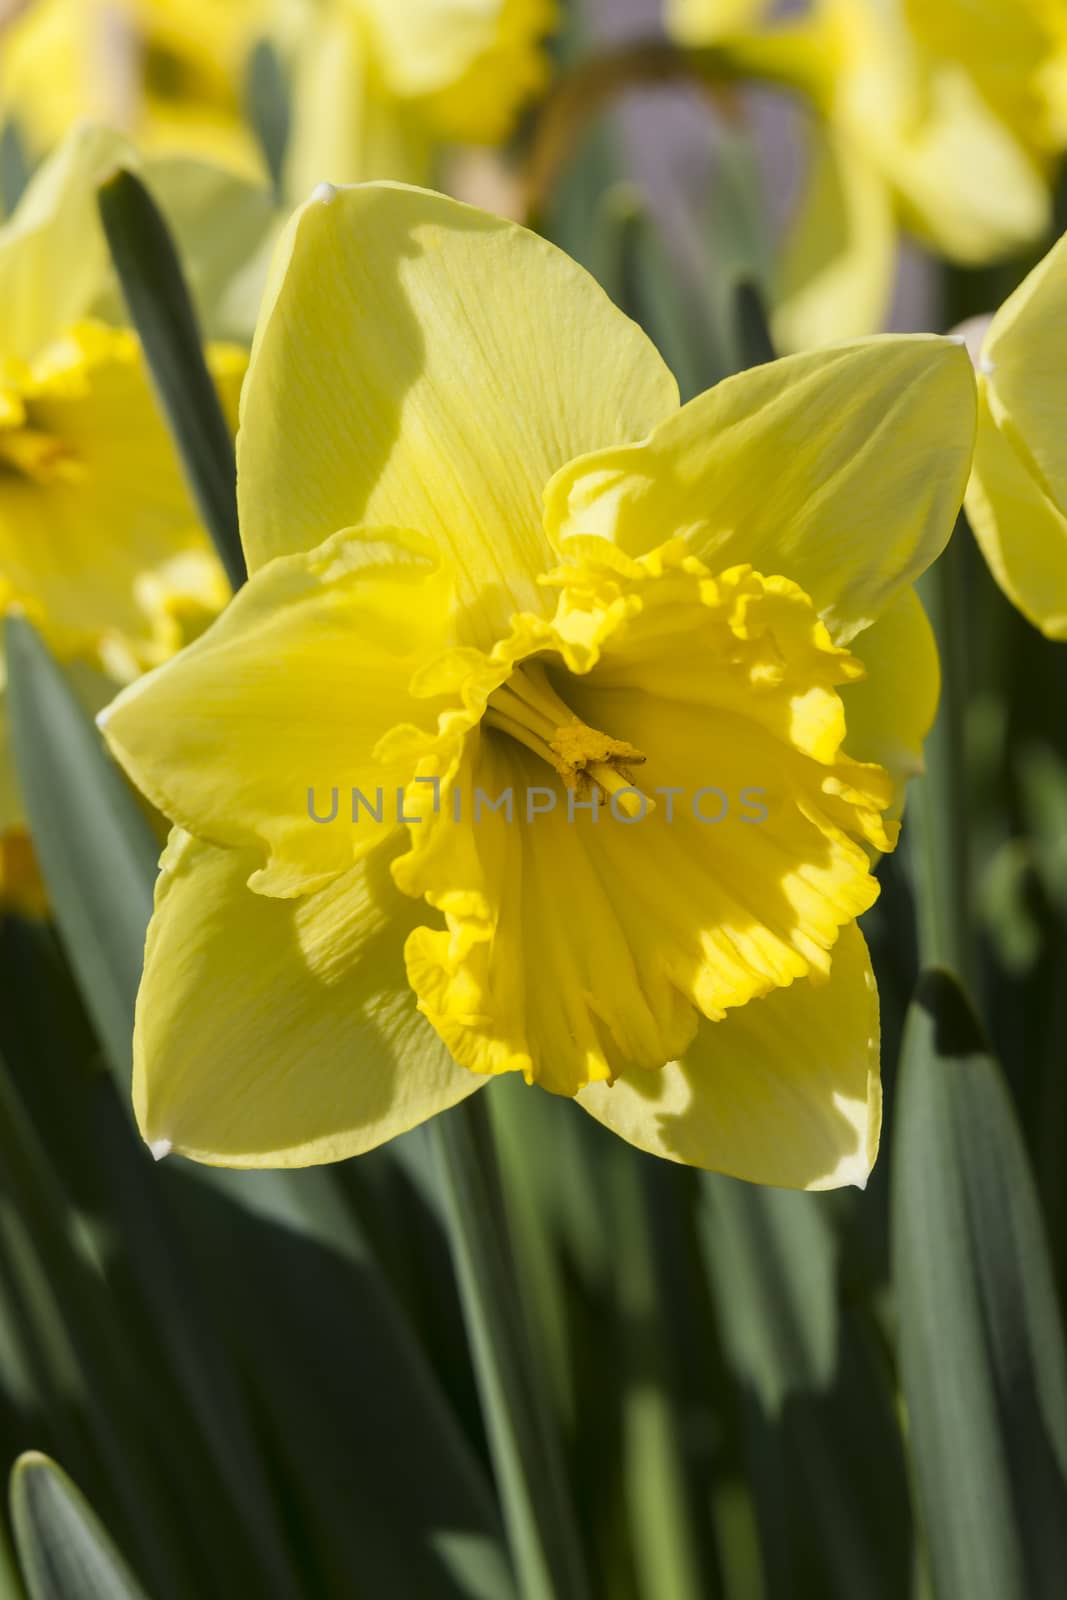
1016, 50
379, 85
697, 22
168, 72
466, 576
1017, 496
99, 542
904, 135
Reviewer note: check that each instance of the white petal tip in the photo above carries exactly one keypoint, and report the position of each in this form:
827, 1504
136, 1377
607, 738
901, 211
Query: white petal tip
986, 366
957, 338
160, 1148
323, 194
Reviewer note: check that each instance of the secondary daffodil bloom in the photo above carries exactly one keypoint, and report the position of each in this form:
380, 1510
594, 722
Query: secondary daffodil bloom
1017, 496
99, 542
903, 136
1017, 52
171, 73
490, 555
378, 86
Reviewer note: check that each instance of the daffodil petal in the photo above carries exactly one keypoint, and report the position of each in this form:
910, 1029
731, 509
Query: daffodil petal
1005, 44
1017, 498
835, 276
965, 182
421, 364
889, 713
842, 469
277, 1033
346, 125
699, 22
275, 712
470, 64
430, 46
784, 1091
55, 269
54, 263
1019, 525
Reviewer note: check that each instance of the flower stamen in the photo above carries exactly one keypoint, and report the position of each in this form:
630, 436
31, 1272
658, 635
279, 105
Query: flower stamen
529, 710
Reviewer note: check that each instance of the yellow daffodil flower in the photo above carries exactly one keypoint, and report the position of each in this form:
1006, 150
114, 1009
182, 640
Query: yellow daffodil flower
1016, 51
379, 85
904, 136
99, 542
170, 73
492, 556
1017, 496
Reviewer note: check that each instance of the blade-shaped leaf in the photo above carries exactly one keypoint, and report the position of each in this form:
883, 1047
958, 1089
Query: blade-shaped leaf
981, 1342
752, 331
820, 1434
14, 167
162, 312
420, 1526
267, 107
378, 1476
64, 1549
96, 849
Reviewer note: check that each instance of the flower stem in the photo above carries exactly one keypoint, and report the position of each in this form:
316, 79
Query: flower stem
941, 839
522, 1433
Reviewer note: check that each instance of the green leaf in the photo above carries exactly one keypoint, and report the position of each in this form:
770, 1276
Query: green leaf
268, 108
427, 1527
751, 328
162, 311
820, 1434
636, 267
518, 1414
267, 1403
14, 167
378, 1478
96, 849
64, 1549
981, 1343
103, 1413
175, 1374
940, 809
666, 1510
1042, 776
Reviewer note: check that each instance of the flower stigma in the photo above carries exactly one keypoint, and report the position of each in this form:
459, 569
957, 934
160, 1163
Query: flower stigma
530, 711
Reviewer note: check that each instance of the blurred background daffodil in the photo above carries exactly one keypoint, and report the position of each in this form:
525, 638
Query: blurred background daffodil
372, 88
99, 542
170, 73
919, 123
379, 87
